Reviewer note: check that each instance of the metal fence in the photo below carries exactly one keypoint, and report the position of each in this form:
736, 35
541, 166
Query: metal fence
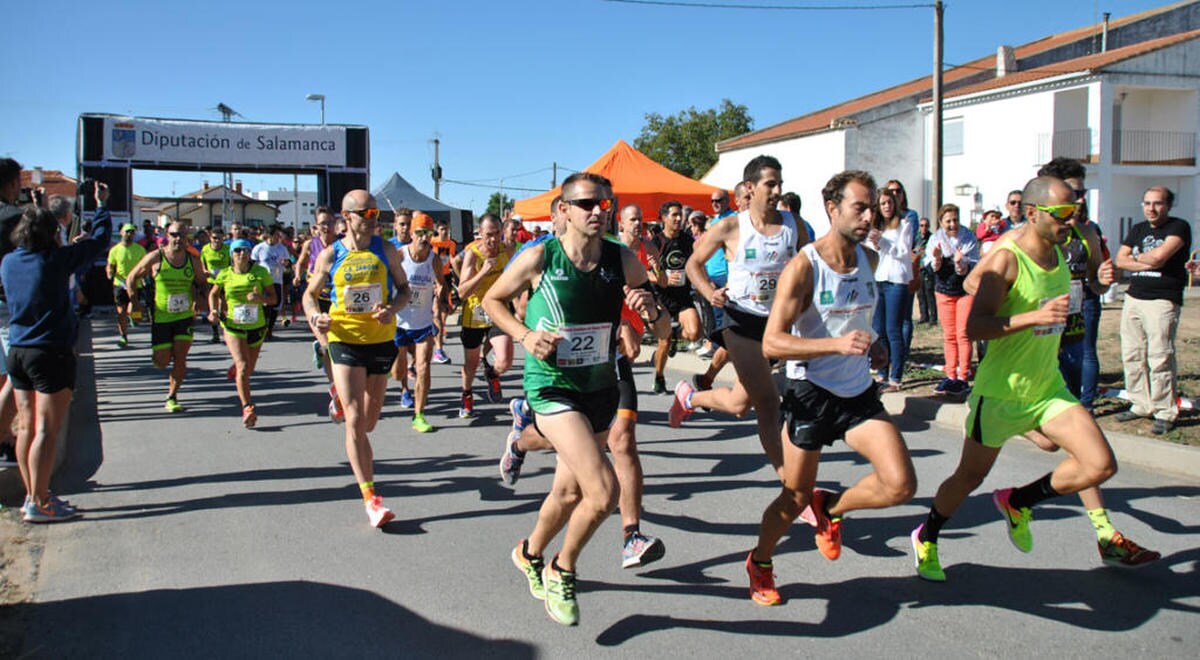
1138, 147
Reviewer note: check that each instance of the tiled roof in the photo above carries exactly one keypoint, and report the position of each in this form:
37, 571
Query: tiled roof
821, 119
54, 181
1085, 64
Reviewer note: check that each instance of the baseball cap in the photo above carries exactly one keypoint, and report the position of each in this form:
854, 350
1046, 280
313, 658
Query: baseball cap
241, 244
128, 226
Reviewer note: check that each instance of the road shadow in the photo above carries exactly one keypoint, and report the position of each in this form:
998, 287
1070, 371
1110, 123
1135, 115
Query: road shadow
273, 619
1082, 598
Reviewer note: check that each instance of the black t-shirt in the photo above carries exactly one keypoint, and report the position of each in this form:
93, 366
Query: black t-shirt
675, 253
1165, 283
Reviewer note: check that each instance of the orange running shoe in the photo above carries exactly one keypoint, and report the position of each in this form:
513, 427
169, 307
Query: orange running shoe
829, 531
762, 583
1120, 551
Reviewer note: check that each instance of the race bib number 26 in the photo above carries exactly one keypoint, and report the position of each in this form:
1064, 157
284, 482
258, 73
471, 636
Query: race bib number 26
362, 298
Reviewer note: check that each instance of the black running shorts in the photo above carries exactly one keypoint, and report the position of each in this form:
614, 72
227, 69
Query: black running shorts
814, 417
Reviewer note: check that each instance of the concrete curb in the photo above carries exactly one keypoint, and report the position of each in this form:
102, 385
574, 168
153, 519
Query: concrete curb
1183, 460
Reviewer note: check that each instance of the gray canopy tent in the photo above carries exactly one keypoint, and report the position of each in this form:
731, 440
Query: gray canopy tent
397, 193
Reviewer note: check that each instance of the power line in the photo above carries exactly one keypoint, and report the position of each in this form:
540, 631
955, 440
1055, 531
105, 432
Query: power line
492, 186
727, 5
509, 176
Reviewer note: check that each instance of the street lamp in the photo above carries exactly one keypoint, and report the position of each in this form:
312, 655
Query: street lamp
321, 98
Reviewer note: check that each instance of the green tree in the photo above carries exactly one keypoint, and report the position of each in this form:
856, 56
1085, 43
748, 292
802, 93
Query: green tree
496, 201
685, 142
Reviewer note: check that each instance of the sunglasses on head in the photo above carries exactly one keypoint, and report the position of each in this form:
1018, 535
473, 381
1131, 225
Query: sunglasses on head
1059, 211
369, 214
589, 204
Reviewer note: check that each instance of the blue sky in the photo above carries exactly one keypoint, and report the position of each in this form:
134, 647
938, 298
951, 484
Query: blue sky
509, 87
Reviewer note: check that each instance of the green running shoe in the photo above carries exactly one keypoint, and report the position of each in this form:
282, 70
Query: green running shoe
532, 568
1017, 520
560, 595
173, 406
420, 425
925, 556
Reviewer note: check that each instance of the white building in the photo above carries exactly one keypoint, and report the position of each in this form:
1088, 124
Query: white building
1122, 97
1130, 114
297, 211
214, 206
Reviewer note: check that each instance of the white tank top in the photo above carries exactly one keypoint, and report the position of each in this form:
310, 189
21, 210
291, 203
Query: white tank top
418, 313
757, 263
841, 302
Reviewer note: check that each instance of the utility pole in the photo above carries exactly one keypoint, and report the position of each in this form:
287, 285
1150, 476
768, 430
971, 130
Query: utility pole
554, 177
938, 42
437, 168
227, 114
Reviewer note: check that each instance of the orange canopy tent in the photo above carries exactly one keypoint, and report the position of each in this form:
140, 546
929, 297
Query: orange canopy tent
636, 180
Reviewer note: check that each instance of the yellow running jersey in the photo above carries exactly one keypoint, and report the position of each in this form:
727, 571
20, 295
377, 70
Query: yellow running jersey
473, 315
359, 280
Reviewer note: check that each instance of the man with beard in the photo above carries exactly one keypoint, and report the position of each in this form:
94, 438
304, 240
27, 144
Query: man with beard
1021, 306
820, 323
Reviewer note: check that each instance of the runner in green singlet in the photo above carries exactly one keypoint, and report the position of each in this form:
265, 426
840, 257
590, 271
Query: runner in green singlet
570, 337
215, 257
237, 300
122, 258
176, 274
1021, 307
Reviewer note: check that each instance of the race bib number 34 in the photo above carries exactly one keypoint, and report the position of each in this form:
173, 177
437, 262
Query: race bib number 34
362, 298
178, 302
583, 345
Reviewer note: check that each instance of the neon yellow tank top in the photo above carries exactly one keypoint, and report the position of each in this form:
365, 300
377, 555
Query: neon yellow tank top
173, 290
1024, 366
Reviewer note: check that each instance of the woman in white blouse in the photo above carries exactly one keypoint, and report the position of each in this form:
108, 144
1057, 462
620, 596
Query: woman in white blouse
892, 238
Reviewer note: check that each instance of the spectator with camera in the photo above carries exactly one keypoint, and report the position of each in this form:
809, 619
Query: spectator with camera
41, 360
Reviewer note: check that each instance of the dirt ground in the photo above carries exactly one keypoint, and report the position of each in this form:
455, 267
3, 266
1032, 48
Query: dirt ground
927, 348
18, 574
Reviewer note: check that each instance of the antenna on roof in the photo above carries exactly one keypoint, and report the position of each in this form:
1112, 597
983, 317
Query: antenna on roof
226, 177
226, 111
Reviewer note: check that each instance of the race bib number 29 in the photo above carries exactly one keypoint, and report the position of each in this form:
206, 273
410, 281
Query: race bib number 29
763, 290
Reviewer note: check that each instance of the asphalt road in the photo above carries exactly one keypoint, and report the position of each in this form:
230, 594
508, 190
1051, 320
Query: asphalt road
203, 539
